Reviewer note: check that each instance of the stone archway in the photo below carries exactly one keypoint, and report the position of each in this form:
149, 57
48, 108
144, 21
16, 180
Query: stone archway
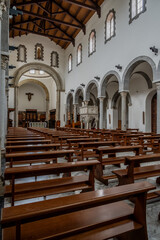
131, 66
69, 107
148, 120
88, 89
37, 66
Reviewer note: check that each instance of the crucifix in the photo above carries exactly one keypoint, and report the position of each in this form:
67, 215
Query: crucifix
29, 96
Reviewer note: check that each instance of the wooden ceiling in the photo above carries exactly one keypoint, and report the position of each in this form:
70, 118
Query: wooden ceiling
59, 20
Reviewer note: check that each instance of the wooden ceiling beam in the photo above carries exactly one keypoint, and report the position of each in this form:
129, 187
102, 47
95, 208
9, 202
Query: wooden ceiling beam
73, 17
42, 34
43, 8
83, 5
23, 22
51, 19
25, 3
97, 7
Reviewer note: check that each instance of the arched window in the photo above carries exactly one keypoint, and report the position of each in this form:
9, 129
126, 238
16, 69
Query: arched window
79, 54
54, 59
39, 52
136, 8
110, 26
92, 42
70, 63
21, 53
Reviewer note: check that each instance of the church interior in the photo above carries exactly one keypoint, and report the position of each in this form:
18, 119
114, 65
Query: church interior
79, 119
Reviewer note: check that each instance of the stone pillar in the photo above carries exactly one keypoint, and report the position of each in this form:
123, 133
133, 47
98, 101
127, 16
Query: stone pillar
158, 107
101, 113
58, 106
47, 112
16, 106
4, 61
123, 110
75, 112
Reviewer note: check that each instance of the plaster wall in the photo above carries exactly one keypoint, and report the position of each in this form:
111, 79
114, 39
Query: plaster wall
38, 100
131, 41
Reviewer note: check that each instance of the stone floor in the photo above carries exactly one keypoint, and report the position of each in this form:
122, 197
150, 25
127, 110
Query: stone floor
152, 208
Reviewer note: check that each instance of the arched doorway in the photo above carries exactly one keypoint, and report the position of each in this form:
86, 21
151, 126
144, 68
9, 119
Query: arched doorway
154, 113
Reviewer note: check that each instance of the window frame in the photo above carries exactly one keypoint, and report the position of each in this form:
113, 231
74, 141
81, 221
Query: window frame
57, 59
91, 53
78, 63
70, 70
25, 53
114, 27
137, 14
42, 49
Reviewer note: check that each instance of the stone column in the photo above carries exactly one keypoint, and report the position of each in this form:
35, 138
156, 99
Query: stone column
58, 106
123, 110
16, 106
101, 114
75, 112
158, 107
47, 112
4, 61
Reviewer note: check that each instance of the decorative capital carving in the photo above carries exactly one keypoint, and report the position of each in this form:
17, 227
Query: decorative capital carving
2, 7
4, 61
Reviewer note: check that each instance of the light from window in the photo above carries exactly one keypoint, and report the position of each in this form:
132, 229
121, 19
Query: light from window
92, 42
54, 59
70, 63
79, 54
41, 72
32, 71
110, 26
137, 7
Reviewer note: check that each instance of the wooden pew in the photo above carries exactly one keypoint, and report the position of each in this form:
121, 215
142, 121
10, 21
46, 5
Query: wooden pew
37, 157
26, 142
85, 146
25, 138
93, 215
150, 142
131, 139
34, 147
51, 186
112, 159
132, 172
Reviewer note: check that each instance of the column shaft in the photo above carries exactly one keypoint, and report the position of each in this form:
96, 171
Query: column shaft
16, 106
123, 110
101, 114
58, 106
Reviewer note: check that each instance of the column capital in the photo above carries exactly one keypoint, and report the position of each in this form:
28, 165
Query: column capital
4, 61
101, 98
2, 7
86, 103
123, 93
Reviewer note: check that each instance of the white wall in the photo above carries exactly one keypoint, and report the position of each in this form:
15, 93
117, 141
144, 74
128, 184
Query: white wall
38, 100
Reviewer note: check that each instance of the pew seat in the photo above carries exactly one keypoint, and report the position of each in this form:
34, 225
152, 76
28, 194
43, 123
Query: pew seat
98, 215
44, 188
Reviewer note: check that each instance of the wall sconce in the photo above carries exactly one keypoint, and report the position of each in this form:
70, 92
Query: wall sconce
97, 78
10, 77
154, 50
11, 66
10, 84
119, 67
72, 90
82, 84
12, 48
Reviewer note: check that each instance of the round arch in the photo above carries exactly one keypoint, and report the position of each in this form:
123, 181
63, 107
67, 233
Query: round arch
69, 96
39, 66
132, 65
105, 80
77, 93
88, 89
34, 81
115, 98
